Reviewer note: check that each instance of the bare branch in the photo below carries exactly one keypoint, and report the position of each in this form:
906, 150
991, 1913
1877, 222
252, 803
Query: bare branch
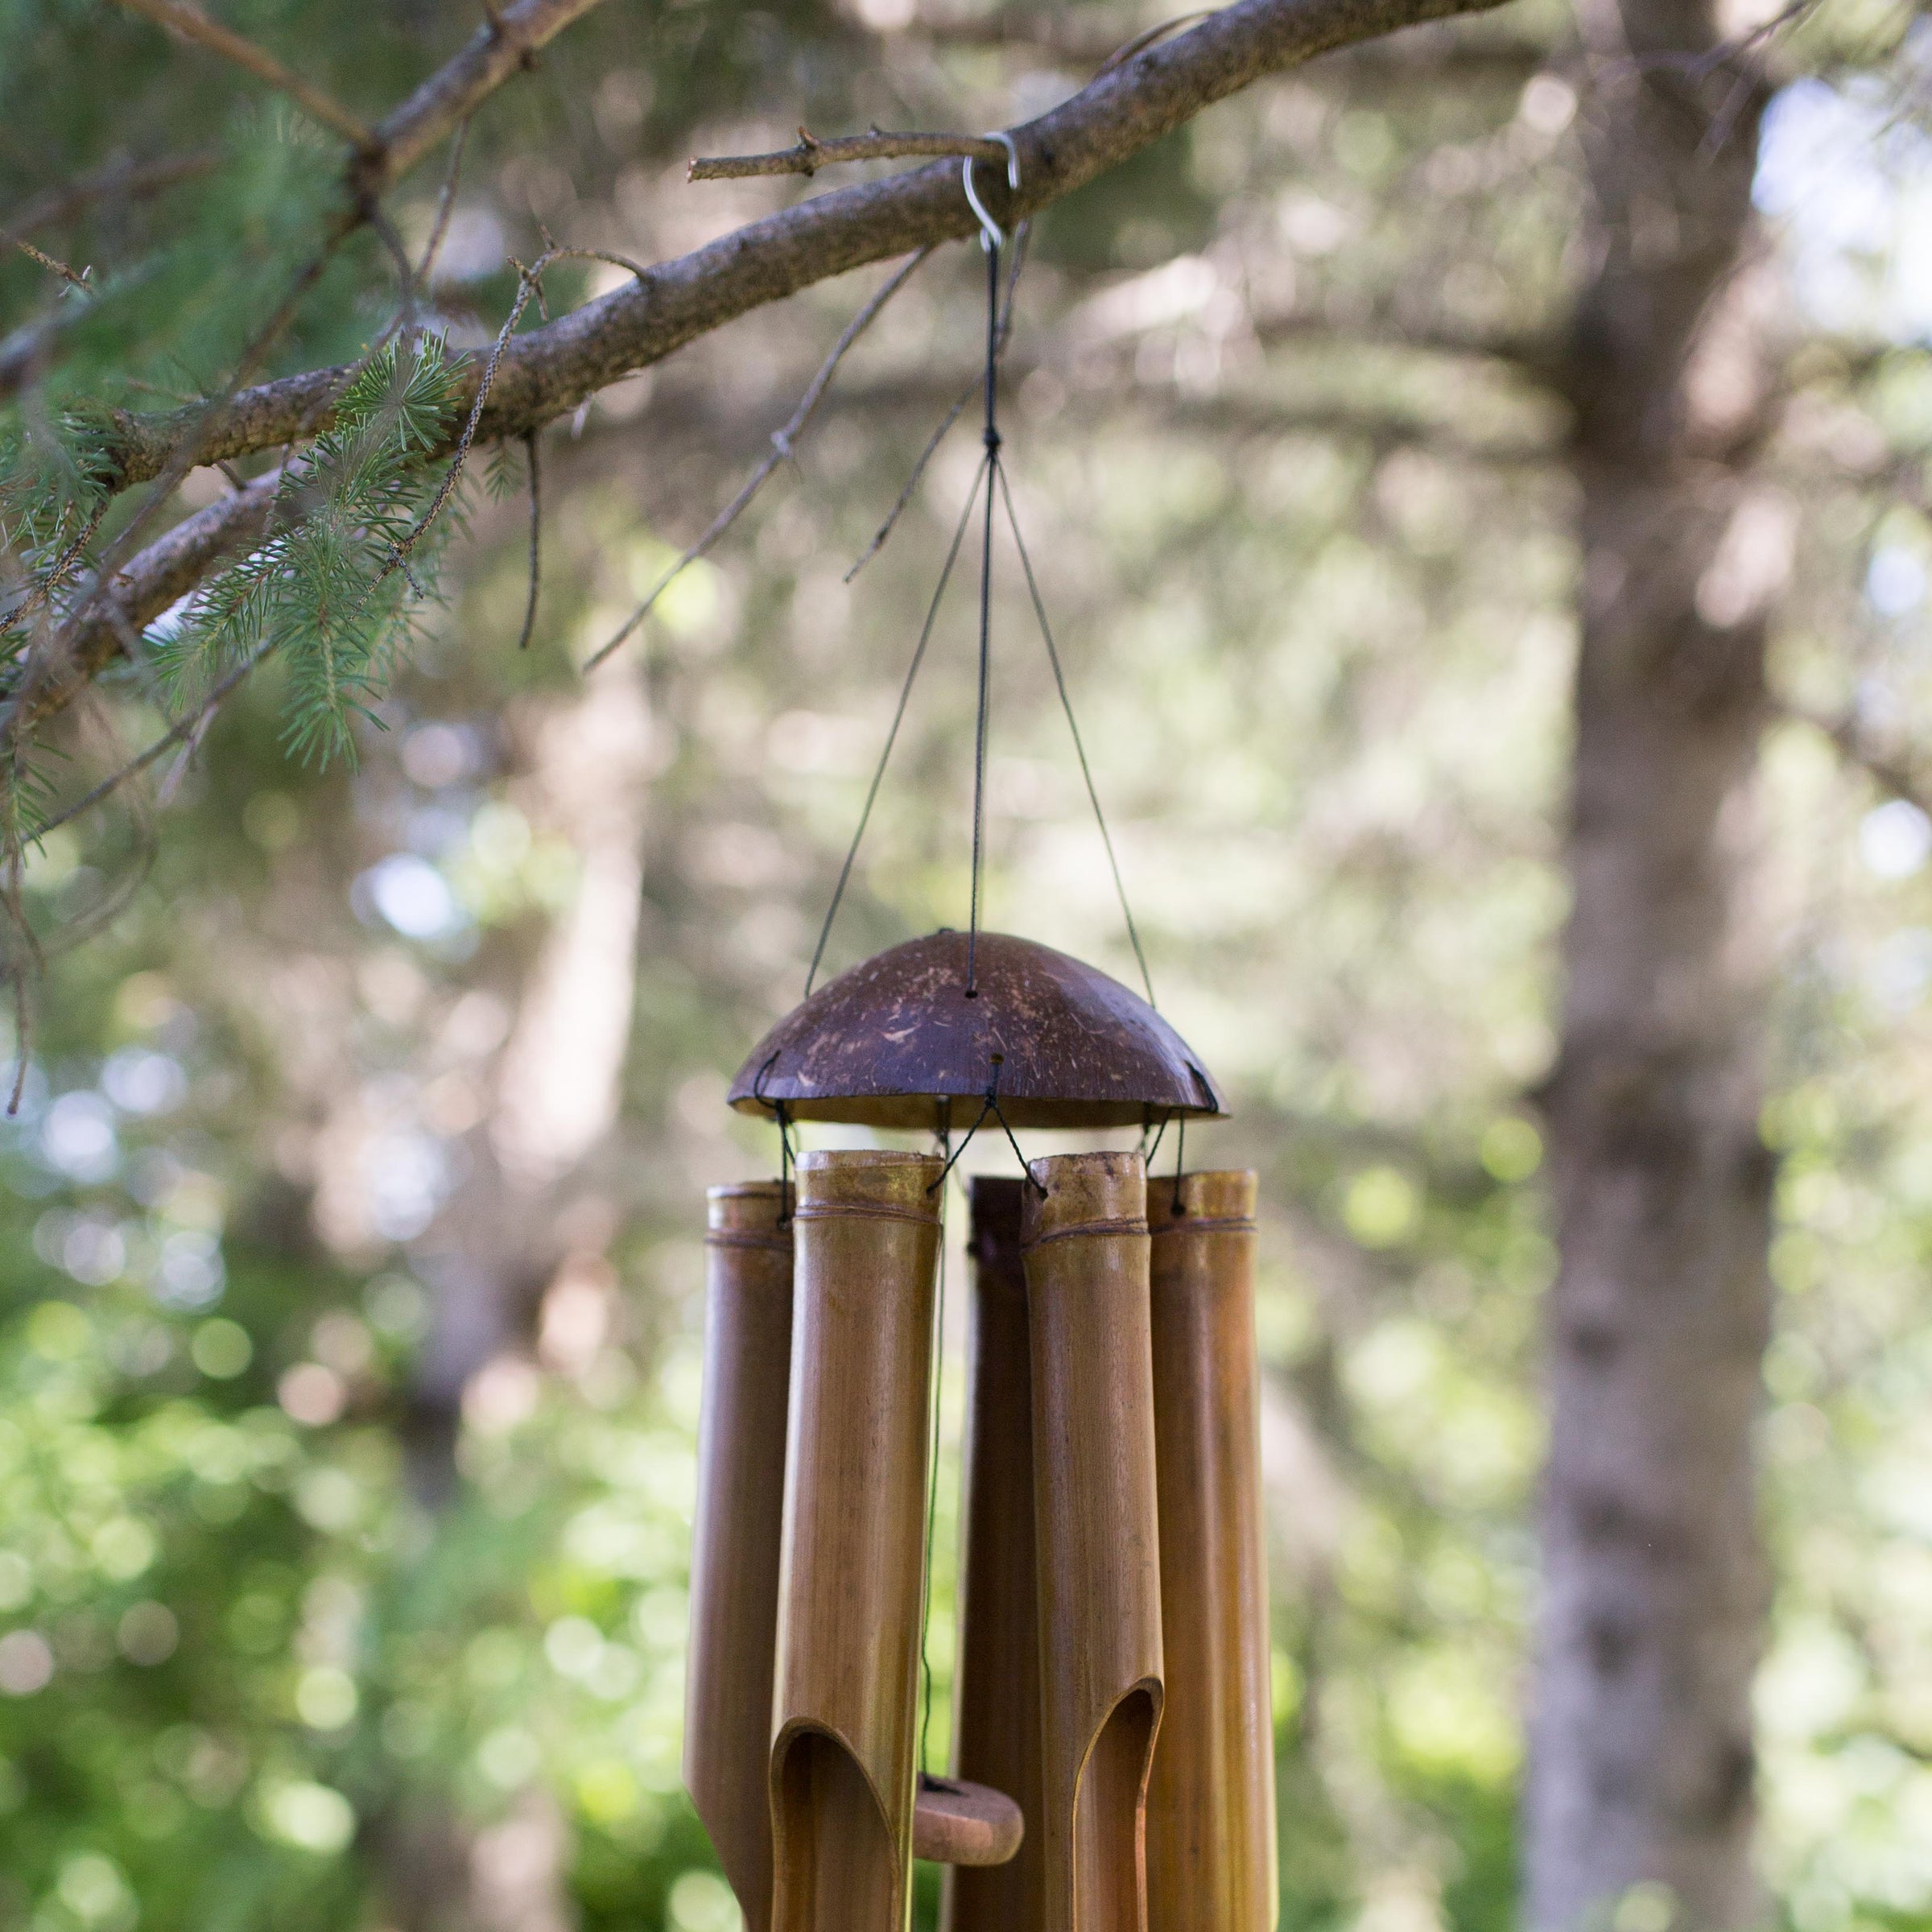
191, 23
811, 154
186, 730
781, 450
48, 261
547, 372
446, 204
1894, 775
156, 577
122, 180
504, 46
535, 476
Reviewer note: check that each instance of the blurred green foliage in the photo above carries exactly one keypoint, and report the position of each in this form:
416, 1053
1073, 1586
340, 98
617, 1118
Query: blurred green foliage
1300, 510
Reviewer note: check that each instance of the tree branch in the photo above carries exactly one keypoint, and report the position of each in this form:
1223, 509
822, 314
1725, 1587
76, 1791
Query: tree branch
191, 23
1894, 775
119, 180
148, 445
811, 154
505, 45
548, 371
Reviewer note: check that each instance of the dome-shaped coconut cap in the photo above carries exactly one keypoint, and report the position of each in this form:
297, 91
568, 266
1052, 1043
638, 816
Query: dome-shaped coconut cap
891, 1042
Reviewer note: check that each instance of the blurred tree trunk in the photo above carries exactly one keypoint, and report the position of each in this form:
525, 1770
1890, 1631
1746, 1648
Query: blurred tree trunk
1642, 1761
530, 1218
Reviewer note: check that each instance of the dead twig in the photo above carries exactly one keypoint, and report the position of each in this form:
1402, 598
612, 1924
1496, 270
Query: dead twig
549, 372
536, 539
192, 24
49, 262
529, 283
123, 179
446, 204
781, 450
190, 727
811, 154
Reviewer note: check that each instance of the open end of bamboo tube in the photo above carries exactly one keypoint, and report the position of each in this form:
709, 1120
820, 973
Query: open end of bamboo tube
840, 1863
1109, 1818
736, 1529
866, 1231
1098, 1553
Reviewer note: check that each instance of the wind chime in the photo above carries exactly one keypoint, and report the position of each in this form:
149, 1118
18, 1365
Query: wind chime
1114, 1764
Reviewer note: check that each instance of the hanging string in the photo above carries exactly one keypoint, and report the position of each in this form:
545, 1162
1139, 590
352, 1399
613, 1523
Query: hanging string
1080, 747
991, 438
898, 718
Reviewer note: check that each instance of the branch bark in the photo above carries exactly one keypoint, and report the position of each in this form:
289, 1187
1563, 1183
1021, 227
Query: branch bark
810, 154
547, 372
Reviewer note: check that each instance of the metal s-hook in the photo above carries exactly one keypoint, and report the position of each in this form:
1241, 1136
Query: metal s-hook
992, 236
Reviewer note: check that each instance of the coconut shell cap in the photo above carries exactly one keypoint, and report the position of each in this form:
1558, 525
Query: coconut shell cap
897, 1042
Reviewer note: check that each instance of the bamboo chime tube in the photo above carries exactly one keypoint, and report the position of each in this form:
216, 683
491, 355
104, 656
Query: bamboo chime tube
997, 1687
1086, 1248
1211, 1850
734, 1561
867, 1242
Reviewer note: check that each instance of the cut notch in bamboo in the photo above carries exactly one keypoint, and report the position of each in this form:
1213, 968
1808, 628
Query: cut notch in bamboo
1211, 1842
1096, 1536
997, 1688
736, 1531
842, 1787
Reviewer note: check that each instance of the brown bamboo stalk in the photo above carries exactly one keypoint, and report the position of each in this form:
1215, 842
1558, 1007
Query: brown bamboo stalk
996, 1692
1086, 1246
867, 1236
735, 1532
1211, 1844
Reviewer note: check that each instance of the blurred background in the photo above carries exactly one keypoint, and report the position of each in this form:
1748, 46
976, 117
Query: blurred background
350, 1262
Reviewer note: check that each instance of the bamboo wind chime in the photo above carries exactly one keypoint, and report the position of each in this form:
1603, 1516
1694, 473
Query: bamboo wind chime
1113, 1766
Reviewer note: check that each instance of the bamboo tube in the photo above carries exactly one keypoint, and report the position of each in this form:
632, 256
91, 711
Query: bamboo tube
997, 1695
734, 1559
1086, 1248
867, 1236
1211, 1847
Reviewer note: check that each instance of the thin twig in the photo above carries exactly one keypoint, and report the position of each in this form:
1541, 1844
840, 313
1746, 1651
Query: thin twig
973, 388
191, 23
186, 727
552, 370
811, 154
445, 204
1142, 42
529, 280
124, 179
781, 449
49, 262
536, 539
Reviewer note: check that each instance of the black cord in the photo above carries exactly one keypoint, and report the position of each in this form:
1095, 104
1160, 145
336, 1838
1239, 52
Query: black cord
1080, 747
898, 718
992, 439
